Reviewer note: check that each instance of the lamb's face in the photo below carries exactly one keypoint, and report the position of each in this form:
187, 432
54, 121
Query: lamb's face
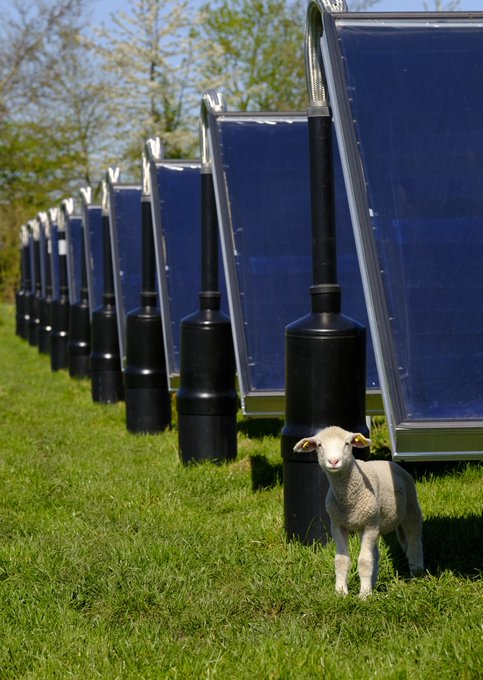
334, 453
334, 447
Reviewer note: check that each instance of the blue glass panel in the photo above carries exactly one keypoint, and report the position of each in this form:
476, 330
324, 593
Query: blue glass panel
267, 231
73, 233
94, 255
417, 103
177, 232
126, 242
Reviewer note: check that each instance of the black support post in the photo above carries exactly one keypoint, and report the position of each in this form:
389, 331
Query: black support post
325, 350
34, 300
45, 303
21, 297
59, 335
79, 345
148, 401
207, 400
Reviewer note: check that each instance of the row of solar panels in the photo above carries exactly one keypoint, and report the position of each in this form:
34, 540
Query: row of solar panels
405, 92
260, 170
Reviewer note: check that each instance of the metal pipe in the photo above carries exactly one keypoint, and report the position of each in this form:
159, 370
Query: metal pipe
148, 261
33, 336
314, 72
211, 101
59, 336
24, 288
109, 295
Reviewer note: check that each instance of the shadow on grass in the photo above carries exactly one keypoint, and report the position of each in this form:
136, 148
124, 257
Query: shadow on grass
265, 475
423, 469
257, 428
450, 543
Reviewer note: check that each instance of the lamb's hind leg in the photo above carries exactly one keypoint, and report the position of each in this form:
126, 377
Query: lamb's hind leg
342, 559
368, 563
412, 529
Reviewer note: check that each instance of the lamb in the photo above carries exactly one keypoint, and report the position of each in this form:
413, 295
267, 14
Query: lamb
370, 498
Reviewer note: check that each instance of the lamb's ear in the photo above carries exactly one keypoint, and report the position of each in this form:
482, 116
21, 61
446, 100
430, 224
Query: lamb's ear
307, 444
359, 441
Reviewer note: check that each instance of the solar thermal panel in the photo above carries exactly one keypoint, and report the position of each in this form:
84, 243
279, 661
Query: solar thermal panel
406, 95
176, 212
92, 222
125, 233
261, 174
73, 235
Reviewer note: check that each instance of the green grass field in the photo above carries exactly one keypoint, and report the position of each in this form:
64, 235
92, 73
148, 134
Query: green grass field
118, 562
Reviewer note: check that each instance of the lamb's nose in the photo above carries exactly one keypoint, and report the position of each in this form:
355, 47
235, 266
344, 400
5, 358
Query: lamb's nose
333, 461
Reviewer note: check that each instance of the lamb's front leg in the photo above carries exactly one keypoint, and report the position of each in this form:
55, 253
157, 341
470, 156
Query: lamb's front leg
342, 559
368, 564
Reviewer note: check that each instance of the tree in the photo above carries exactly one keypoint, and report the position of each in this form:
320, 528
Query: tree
43, 143
362, 5
253, 50
29, 33
440, 6
77, 97
147, 55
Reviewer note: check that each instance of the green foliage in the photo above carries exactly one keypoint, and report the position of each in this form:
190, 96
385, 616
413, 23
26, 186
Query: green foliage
9, 249
37, 164
148, 58
118, 562
253, 50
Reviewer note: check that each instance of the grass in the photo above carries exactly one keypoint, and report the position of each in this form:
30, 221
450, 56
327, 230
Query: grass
118, 562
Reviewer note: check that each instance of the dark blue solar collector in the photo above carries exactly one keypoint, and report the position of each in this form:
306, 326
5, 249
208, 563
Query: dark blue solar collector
125, 231
92, 231
408, 104
176, 201
261, 173
53, 236
73, 236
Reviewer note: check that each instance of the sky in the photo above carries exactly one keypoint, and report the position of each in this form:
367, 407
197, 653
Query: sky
102, 9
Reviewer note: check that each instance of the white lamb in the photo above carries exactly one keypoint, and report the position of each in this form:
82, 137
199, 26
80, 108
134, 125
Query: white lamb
371, 498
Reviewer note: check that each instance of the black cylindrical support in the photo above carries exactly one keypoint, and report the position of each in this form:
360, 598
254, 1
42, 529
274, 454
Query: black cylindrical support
105, 358
324, 252
45, 303
28, 288
325, 358
209, 235
34, 299
149, 296
148, 401
79, 345
21, 327
59, 335
207, 400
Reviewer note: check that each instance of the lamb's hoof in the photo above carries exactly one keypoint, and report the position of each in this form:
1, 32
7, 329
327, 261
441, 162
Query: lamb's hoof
342, 591
364, 594
416, 571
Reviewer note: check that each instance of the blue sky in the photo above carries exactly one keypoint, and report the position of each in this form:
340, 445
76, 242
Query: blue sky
102, 9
